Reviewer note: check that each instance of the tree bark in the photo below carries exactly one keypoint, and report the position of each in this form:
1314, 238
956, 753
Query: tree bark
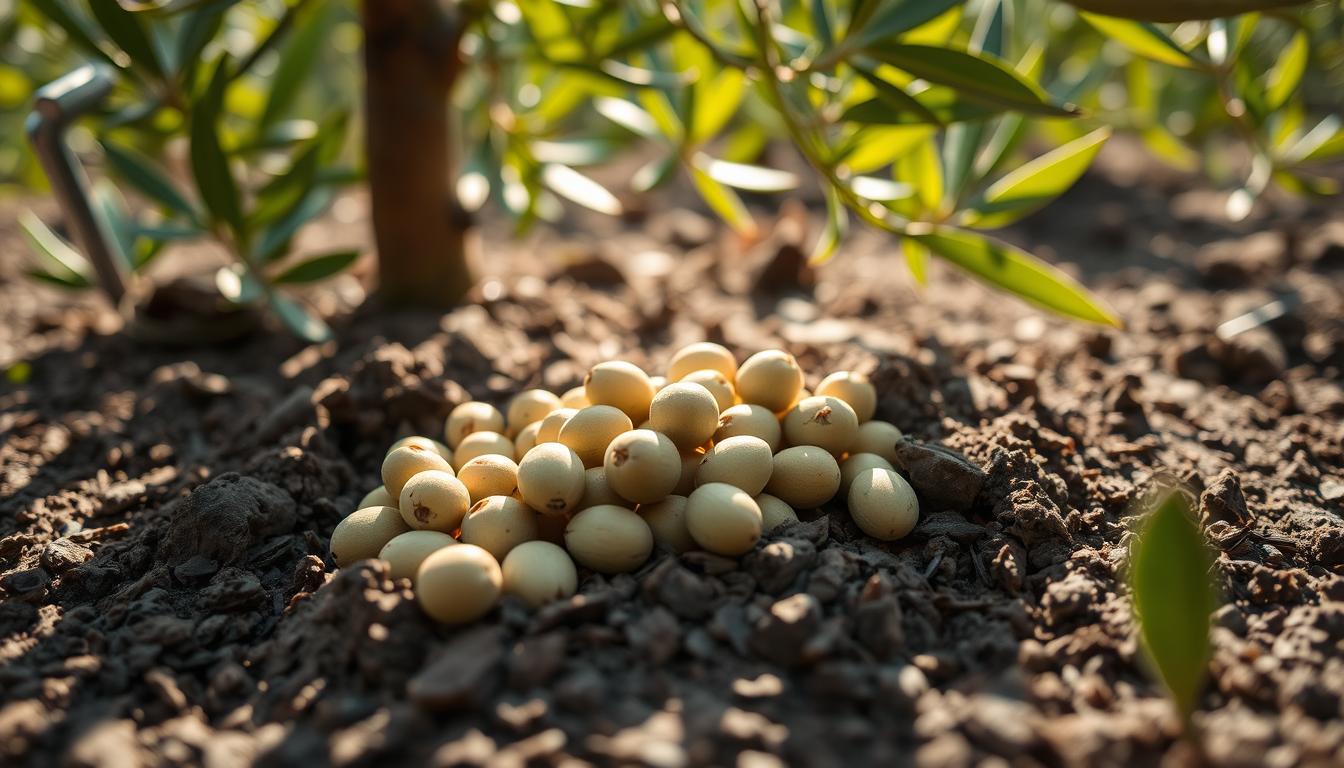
422, 236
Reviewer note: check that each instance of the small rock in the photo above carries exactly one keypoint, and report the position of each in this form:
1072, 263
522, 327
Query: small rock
464, 674
942, 477
1331, 489
533, 661
1223, 500
778, 564
28, 583
232, 589
63, 554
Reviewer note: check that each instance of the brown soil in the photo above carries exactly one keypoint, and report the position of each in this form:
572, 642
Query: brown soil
167, 599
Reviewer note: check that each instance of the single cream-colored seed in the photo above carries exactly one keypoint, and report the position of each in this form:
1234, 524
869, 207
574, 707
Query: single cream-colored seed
690, 465
609, 539
489, 475
549, 428
434, 500
592, 429
775, 511
363, 533
597, 490
700, 356
551, 479
883, 504
658, 383
458, 584
771, 378
497, 524
879, 437
667, 520
481, 444
856, 463
743, 461
539, 572
423, 442
826, 422
853, 388
529, 406
804, 476
723, 519
526, 439
378, 497
407, 461
686, 412
642, 466
471, 416
622, 385
725, 396
750, 419
575, 398
406, 551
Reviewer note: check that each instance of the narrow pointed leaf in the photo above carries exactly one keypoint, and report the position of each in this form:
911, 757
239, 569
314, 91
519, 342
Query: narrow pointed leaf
748, 177
1016, 271
837, 226
896, 16
317, 267
1174, 595
1142, 38
299, 319
129, 33
296, 62
917, 259
276, 238
209, 165
575, 187
982, 78
723, 201
57, 257
139, 171
74, 27
1035, 184
1287, 72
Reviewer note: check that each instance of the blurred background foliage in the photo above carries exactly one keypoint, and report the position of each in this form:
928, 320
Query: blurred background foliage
937, 120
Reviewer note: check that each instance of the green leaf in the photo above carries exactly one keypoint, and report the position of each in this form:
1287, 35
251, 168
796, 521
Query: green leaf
317, 267
896, 98
837, 225
922, 171
61, 280
575, 187
982, 78
58, 259
917, 259
76, 30
302, 322
961, 143
139, 172
236, 283
1035, 184
296, 62
896, 16
1143, 39
1018, 272
876, 146
716, 101
723, 201
1286, 74
209, 165
129, 33
664, 116
1174, 595
197, 30
628, 115
654, 173
276, 238
1325, 141
745, 176
111, 207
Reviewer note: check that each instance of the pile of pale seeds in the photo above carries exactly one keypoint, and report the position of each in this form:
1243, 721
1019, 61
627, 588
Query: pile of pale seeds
509, 502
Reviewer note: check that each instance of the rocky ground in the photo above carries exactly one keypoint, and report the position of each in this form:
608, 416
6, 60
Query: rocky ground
165, 596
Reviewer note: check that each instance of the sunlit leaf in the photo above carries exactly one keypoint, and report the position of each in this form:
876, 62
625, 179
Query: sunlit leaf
1035, 184
235, 283
837, 225
299, 319
664, 116
977, 77
654, 173
921, 170
111, 207
1287, 72
141, 173
58, 259
575, 187
896, 99
1174, 596
80, 34
1018, 272
628, 115
917, 259
1325, 141
752, 178
936, 31
317, 267
276, 238
896, 16
1142, 38
723, 201
880, 190
716, 102
877, 146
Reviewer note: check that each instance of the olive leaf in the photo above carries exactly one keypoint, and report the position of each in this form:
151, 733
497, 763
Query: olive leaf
1173, 596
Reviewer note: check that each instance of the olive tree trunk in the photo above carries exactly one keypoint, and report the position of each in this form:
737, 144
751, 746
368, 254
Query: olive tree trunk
422, 236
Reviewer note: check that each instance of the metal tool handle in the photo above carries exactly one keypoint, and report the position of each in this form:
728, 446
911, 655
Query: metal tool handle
57, 105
